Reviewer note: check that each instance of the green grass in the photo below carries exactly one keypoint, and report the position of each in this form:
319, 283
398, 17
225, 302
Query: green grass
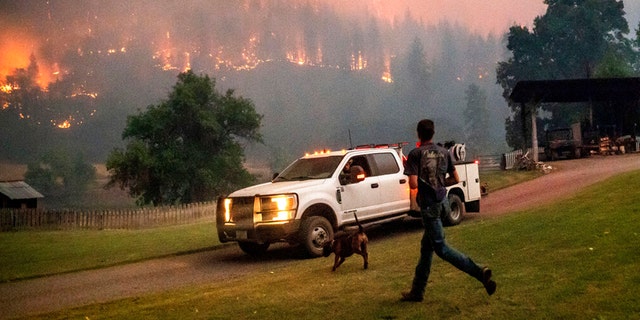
575, 259
496, 180
32, 254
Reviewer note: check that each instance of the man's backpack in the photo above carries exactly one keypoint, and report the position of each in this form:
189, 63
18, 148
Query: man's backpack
433, 168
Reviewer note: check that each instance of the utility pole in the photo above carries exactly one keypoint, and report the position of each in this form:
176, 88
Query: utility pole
534, 132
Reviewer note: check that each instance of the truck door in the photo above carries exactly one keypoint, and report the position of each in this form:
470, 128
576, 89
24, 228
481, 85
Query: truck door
470, 175
394, 185
361, 197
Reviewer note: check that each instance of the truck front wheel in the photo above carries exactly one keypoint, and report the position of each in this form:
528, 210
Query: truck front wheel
314, 232
457, 211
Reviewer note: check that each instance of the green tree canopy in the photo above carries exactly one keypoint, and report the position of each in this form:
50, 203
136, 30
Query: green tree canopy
61, 173
188, 147
572, 40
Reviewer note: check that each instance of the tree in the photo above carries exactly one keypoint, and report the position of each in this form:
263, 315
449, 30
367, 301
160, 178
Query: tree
26, 97
412, 85
569, 41
615, 64
187, 148
61, 173
577, 34
476, 118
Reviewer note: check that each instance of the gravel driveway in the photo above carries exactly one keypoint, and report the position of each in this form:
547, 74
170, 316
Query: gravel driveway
63, 291
566, 179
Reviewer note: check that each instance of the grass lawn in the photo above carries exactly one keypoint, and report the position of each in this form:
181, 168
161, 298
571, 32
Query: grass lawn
500, 179
576, 259
31, 254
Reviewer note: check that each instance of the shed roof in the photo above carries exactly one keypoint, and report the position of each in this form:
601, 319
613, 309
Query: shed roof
577, 90
17, 190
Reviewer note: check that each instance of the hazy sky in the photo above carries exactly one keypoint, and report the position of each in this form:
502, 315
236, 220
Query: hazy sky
482, 16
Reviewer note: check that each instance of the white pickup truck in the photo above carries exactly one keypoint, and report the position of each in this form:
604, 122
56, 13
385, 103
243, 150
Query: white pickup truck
310, 199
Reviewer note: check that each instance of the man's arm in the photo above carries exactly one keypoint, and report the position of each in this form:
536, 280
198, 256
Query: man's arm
413, 181
452, 179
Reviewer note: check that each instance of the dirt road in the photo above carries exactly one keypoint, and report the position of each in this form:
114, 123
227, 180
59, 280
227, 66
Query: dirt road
59, 292
567, 178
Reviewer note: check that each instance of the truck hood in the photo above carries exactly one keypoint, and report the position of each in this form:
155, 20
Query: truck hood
278, 188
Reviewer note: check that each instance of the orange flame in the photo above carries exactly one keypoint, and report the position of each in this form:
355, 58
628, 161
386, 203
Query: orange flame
14, 54
358, 62
6, 88
15, 51
386, 74
64, 125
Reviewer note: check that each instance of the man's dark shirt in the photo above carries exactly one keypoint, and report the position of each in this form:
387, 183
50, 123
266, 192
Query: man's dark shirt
430, 163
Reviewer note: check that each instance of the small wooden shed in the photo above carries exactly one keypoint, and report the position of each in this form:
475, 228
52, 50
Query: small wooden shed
18, 195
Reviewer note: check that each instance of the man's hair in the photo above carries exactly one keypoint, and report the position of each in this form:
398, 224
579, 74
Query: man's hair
426, 129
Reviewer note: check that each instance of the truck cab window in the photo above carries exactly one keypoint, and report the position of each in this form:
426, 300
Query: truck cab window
362, 162
385, 163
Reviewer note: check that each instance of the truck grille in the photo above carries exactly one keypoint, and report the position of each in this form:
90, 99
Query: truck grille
242, 211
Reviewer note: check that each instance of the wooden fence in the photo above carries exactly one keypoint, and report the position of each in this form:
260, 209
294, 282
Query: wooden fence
37, 219
505, 161
489, 162
509, 159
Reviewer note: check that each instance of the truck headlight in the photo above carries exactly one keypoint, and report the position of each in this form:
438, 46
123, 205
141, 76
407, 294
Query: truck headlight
227, 209
276, 207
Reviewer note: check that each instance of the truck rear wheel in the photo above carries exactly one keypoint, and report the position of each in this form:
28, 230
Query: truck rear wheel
252, 248
314, 232
456, 215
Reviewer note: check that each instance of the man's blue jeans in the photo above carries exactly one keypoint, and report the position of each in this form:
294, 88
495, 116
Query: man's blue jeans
433, 241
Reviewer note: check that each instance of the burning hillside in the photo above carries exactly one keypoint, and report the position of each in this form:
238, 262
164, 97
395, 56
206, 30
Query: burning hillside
100, 61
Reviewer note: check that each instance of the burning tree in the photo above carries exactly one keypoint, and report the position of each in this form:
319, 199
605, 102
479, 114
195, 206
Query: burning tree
187, 148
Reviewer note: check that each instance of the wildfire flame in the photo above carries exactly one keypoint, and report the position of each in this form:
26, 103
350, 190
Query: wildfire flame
386, 74
358, 62
16, 55
64, 125
7, 88
170, 55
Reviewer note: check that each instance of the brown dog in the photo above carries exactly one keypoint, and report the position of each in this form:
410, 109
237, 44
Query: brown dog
345, 244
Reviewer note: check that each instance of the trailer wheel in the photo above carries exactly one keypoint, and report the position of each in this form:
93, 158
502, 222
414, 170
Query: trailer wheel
456, 215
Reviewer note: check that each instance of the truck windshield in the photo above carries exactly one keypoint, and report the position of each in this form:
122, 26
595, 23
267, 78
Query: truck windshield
310, 168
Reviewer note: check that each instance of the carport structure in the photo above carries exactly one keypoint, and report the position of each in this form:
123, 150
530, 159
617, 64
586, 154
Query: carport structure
623, 92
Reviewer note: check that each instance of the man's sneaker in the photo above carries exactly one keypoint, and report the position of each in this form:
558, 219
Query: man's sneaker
411, 297
489, 284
